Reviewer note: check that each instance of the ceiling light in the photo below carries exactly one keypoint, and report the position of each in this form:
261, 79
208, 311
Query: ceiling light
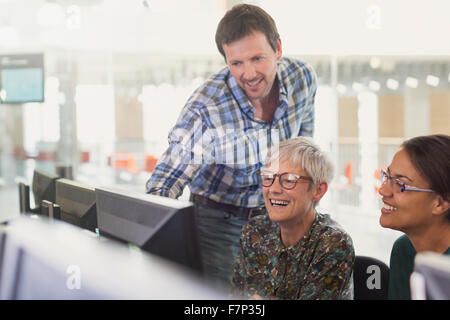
356, 86
2, 95
375, 62
392, 84
374, 85
432, 80
412, 82
341, 88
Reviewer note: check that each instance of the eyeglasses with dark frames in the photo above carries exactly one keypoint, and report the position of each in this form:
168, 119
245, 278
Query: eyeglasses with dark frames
398, 185
287, 180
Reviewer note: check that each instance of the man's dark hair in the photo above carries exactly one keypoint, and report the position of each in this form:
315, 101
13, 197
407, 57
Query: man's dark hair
430, 155
240, 21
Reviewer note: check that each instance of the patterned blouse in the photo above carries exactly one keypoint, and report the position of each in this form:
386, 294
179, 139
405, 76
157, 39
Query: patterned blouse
319, 266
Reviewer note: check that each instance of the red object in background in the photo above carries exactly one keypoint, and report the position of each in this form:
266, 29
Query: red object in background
131, 164
85, 156
46, 155
150, 163
349, 173
20, 153
377, 176
125, 160
121, 159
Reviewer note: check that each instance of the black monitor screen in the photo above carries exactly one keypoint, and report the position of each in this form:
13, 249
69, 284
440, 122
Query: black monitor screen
21, 78
77, 203
158, 225
43, 187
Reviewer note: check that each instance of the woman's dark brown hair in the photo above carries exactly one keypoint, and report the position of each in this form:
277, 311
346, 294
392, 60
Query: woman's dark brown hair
430, 155
241, 21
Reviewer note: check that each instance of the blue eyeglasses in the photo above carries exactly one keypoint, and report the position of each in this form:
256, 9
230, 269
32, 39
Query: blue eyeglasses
399, 186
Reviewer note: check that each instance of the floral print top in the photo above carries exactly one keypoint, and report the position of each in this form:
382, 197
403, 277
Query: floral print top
319, 266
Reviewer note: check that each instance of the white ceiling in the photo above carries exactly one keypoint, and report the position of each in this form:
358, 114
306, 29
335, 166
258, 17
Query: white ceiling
326, 27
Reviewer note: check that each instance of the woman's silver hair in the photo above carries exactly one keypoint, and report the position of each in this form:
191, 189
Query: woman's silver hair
304, 153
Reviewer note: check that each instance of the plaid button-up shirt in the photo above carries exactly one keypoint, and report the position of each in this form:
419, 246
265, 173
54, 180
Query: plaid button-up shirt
218, 146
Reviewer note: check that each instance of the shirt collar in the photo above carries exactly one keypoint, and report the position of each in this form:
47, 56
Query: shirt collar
302, 244
239, 95
283, 88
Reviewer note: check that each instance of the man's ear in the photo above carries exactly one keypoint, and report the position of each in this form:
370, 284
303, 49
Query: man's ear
279, 51
320, 190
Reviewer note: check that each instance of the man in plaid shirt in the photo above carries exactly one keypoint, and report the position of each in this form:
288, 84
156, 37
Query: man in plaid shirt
225, 129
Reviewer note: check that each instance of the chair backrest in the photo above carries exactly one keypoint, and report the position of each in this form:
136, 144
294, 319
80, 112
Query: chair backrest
370, 279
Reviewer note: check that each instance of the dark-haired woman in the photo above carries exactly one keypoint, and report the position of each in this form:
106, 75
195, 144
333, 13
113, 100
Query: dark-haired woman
416, 198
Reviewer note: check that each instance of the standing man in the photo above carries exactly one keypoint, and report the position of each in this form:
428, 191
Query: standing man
223, 133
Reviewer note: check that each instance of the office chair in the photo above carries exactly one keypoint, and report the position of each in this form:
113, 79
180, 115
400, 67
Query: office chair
370, 279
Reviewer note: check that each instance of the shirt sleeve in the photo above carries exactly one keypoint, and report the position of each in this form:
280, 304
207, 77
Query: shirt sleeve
310, 79
401, 266
188, 147
330, 276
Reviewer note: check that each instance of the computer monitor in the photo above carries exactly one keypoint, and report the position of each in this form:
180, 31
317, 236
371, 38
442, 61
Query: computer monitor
78, 266
158, 225
431, 277
77, 203
24, 198
22, 78
2, 247
51, 210
43, 188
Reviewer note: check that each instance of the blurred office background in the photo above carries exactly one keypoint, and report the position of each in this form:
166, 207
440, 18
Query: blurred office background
117, 74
